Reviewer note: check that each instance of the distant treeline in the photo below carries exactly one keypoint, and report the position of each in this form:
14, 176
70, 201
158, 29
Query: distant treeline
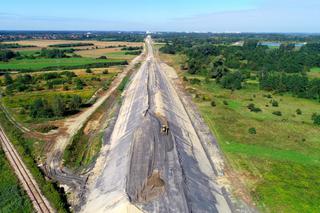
13, 45
138, 52
132, 48
280, 69
6, 55
297, 84
71, 45
249, 56
75, 35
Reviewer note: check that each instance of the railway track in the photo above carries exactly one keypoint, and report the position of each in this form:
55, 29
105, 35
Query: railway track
39, 202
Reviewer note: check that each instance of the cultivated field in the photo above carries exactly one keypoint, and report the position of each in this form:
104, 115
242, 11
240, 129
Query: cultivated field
46, 43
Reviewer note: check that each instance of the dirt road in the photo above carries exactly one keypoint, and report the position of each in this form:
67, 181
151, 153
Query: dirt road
156, 160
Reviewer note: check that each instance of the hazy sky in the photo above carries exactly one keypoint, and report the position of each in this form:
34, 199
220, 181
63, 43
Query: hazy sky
162, 15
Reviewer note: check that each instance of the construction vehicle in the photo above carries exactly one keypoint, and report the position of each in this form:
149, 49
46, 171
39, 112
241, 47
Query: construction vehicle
164, 124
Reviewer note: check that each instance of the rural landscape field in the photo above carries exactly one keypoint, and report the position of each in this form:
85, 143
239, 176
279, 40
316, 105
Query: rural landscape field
160, 107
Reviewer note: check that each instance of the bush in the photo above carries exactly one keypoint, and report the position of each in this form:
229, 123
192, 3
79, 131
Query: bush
274, 103
185, 78
213, 103
195, 81
253, 108
267, 96
298, 111
277, 113
316, 119
252, 131
88, 70
225, 102
105, 71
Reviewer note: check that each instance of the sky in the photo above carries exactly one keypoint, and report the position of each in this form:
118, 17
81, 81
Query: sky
162, 15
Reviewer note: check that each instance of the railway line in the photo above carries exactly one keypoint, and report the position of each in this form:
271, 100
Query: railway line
39, 202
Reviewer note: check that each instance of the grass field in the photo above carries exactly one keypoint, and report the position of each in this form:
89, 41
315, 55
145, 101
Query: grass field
280, 164
111, 53
42, 63
12, 196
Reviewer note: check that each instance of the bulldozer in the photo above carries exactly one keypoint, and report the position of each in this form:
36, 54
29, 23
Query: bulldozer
164, 124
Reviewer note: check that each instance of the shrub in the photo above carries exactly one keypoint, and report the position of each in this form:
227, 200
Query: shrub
185, 78
225, 102
213, 103
88, 70
253, 108
316, 119
105, 71
252, 131
267, 96
274, 103
298, 111
195, 81
277, 113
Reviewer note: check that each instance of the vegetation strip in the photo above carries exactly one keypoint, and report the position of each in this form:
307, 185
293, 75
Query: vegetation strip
26, 149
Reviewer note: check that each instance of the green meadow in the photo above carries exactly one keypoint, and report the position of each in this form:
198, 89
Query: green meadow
43, 63
282, 159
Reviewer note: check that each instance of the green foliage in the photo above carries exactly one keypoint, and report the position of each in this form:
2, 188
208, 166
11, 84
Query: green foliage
274, 103
213, 103
12, 197
79, 83
217, 68
132, 48
71, 45
75, 150
25, 147
297, 84
195, 81
123, 84
58, 107
138, 52
253, 108
299, 112
225, 102
232, 81
53, 53
88, 70
13, 46
6, 55
316, 119
7, 79
277, 113
47, 64
252, 131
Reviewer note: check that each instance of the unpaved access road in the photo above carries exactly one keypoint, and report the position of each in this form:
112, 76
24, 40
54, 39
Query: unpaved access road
155, 160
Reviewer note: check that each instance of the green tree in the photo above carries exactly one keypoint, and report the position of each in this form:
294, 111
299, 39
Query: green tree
7, 79
58, 106
217, 68
75, 103
232, 81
